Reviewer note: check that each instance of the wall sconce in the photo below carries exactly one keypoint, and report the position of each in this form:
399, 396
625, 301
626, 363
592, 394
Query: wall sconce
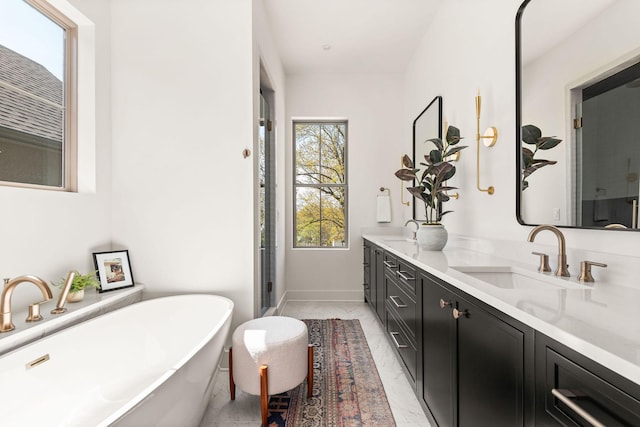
489, 139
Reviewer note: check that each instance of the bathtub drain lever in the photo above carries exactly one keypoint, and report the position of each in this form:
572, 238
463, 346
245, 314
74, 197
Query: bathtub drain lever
38, 361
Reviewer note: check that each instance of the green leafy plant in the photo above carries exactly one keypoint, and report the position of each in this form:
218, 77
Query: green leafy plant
81, 281
532, 135
438, 169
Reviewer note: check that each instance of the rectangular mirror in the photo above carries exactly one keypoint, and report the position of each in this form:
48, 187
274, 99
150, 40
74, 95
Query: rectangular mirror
427, 125
578, 99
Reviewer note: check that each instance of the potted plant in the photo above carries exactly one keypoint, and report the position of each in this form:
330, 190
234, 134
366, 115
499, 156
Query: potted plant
432, 188
532, 135
79, 284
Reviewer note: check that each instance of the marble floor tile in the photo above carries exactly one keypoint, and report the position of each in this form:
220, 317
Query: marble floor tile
245, 410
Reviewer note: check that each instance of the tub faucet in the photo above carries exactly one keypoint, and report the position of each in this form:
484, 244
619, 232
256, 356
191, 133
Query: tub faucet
417, 226
562, 269
6, 324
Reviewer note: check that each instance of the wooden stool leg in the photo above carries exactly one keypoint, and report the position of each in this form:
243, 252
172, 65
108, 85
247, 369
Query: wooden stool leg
232, 385
309, 370
264, 393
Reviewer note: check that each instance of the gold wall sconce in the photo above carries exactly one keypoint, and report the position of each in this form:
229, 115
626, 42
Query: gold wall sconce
489, 139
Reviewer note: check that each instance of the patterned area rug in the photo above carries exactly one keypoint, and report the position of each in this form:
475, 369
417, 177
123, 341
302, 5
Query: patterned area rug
347, 391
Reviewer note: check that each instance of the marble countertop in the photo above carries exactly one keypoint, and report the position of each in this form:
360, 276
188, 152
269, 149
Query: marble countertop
93, 304
599, 320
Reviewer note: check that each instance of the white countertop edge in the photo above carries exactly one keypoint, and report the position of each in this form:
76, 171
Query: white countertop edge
598, 354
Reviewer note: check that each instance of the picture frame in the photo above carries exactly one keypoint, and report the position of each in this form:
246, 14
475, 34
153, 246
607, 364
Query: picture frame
113, 270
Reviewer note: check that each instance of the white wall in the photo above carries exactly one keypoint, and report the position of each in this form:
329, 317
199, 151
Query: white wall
47, 233
372, 105
471, 46
183, 111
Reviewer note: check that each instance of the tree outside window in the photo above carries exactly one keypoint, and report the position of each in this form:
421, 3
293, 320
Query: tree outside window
320, 186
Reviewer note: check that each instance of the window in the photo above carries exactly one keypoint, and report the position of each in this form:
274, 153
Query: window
320, 184
37, 137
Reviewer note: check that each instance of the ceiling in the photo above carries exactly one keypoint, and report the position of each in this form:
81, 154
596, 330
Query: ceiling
348, 36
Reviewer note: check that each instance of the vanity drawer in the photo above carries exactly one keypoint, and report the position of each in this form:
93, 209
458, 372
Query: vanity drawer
407, 276
572, 393
390, 263
402, 344
403, 306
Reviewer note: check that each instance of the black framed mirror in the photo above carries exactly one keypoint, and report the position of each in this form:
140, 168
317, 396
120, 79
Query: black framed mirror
577, 103
427, 125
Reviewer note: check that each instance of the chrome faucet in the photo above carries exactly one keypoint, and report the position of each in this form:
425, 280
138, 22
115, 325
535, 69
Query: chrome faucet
417, 226
6, 324
562, 269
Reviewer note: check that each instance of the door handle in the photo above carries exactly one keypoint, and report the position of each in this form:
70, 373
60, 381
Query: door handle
395, 340
565, 397
460, 313
398, 305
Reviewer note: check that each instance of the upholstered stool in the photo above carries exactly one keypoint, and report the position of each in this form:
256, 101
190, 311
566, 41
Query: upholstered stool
270, 355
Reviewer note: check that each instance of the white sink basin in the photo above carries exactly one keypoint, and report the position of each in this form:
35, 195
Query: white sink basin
400, 239
516, 278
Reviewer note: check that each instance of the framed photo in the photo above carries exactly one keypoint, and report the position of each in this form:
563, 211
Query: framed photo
114, 270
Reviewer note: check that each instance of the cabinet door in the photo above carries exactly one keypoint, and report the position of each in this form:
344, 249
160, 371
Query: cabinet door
575, 391
380, 297
490, 369
373, 283
366, 281
438, 351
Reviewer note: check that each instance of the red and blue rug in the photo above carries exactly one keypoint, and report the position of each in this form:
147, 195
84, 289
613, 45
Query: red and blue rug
347, 391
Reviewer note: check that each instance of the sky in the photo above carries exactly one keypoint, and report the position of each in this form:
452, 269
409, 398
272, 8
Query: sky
28, 32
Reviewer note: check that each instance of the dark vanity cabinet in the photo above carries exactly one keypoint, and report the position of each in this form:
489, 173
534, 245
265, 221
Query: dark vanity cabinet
374, 278
472, 365
366, 266
572, 390
403, 313
477, 364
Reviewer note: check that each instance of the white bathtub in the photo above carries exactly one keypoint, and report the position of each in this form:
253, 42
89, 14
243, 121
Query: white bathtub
148, 364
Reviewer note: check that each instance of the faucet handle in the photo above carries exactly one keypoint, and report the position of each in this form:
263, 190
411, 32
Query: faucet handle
544, 262
34, 312
6, 281
585, 271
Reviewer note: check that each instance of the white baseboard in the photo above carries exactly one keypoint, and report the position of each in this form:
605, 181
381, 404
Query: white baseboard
327, 295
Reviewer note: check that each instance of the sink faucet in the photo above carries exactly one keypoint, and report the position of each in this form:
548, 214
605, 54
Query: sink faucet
417, 226
562, 250
6, 324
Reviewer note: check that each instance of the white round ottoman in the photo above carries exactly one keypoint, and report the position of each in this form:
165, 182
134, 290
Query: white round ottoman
270, 355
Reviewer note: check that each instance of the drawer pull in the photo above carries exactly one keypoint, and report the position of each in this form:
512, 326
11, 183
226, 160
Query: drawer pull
444, 303
366, 264
457, 314
407, 278
395, 340
394, 299
389, 264
565, 397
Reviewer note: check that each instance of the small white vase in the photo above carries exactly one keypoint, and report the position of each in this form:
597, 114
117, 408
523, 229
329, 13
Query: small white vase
432, 237
75, 296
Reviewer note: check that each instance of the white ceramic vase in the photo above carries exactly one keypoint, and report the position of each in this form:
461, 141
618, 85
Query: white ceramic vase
75, 296
432, 237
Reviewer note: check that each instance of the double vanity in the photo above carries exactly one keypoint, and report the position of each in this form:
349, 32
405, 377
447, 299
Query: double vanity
486, 340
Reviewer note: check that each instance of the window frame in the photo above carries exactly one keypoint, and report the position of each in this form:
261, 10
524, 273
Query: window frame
69, 170
295, 185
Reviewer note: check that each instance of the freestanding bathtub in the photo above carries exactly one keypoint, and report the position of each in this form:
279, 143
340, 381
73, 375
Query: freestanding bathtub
149, 364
